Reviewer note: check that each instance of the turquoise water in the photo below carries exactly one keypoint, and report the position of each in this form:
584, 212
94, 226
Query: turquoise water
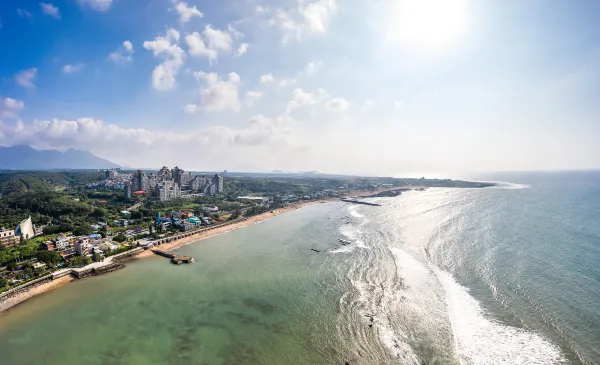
505, 275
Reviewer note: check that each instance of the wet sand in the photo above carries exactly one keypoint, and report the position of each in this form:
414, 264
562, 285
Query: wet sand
57, 283
37, 290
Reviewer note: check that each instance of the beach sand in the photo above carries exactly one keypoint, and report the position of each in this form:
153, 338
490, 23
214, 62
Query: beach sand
37, 290
57, 283
249, 221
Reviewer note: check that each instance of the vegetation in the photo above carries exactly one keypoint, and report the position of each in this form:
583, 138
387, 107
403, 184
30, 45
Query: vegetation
79, 261
49, 257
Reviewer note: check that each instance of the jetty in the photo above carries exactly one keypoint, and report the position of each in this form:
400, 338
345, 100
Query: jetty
175, 259
354, 201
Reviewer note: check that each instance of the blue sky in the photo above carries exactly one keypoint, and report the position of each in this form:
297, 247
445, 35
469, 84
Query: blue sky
390, 87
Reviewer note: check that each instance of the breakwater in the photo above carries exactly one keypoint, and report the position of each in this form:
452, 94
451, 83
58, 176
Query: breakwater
354, 201
24, 287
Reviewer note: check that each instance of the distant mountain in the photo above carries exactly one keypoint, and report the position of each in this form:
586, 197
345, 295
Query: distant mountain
27, 158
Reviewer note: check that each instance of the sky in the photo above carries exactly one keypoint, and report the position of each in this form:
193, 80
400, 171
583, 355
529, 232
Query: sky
381, 87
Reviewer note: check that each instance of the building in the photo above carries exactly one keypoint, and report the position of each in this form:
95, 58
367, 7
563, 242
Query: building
8, 238
64, 246
127, 192
176, 175
139, 181
126, 214
165, 174
82, 246
217, 181
25, 229
168, 190
48, 246
111, 174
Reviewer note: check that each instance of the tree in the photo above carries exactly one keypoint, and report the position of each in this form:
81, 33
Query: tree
150, 228
2, 247
120, 238
80, 261
38, 272
49, 257
98, 213
3, 282
83, 230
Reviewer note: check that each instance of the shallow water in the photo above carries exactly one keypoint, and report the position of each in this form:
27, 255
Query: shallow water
473, 276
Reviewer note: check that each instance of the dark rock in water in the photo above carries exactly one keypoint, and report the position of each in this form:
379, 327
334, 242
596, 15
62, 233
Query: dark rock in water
260, 305
312, 249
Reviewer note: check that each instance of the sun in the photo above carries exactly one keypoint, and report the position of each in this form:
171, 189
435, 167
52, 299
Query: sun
428, 24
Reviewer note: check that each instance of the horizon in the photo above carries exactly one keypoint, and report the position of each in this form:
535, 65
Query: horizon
392, 88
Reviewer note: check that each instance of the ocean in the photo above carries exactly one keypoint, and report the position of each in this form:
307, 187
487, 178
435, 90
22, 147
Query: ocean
502, 275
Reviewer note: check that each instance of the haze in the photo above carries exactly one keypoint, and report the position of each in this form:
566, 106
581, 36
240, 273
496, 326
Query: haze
362, 87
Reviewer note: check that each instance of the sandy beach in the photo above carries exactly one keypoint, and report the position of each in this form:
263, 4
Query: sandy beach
57, 283
37, 290
249, 221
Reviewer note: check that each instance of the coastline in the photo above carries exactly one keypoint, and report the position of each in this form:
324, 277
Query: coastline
34, 291
59, 282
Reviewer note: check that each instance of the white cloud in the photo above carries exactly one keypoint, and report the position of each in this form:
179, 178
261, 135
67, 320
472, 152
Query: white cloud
128, 46
124, 55
261, 9
98, 5
197, 47
398, 104
264, 131
243, 48
219, 94
213, 42
302, 98
24, 14
72, 68
50, 9
367, 105
309, 18
25, 77
269, 78
337, 105
251, 97
164, 75
190, 109
313, 67
9, 108
186, 12
137, 146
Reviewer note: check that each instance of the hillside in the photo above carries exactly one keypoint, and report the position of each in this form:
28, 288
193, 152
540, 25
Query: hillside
27, 158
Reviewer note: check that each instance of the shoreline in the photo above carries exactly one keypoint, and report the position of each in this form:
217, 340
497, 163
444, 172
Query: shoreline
59, 282
17, 299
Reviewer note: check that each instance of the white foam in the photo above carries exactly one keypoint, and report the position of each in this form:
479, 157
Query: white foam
353, 210
480, 340
349, 231
343, 249
508, 185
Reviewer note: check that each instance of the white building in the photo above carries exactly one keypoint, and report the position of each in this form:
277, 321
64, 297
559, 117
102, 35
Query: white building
168, 190
25, 229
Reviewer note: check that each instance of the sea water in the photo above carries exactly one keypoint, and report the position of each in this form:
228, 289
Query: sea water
503, 275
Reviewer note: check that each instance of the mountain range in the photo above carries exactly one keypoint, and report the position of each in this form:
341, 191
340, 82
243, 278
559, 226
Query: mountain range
22, 157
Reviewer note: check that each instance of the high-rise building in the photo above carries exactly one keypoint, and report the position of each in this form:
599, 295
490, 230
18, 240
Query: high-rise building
167, 190
217, 181
165, 173
137, 181
176, 174
127, 192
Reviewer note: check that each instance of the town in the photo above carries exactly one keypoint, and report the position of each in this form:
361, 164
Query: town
60, 221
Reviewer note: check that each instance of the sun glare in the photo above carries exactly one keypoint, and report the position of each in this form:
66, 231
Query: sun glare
428, 24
